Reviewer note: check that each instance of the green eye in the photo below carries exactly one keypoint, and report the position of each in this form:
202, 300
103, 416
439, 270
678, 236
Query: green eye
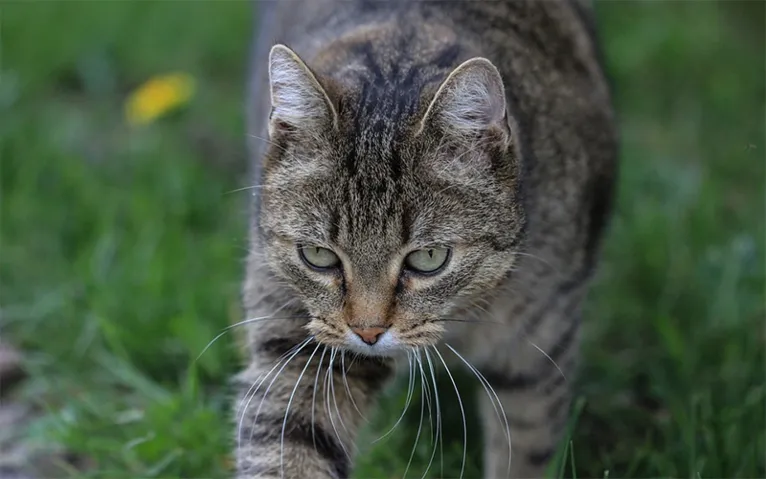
318, 258
427, 261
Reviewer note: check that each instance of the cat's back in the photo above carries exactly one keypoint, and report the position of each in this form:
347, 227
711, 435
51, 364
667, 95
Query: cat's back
521, 32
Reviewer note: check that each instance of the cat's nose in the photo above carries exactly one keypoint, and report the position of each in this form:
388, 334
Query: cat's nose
369, 335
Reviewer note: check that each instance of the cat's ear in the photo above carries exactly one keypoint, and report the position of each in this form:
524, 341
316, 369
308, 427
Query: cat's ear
470, 102
298, 100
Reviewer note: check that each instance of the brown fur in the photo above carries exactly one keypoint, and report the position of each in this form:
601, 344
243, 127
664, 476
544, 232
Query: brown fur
386, 127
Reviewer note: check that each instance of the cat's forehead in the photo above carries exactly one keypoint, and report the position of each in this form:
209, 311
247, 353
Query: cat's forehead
378, 110
379, 198
374, 205
373, 169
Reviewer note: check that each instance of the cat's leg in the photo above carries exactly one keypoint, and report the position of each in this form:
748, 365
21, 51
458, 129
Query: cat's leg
300, 406
534, 390
536, 420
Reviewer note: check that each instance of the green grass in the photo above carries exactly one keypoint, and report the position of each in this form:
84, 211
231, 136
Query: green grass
122, 247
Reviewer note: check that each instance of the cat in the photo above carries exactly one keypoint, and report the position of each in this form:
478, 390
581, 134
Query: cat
432, 180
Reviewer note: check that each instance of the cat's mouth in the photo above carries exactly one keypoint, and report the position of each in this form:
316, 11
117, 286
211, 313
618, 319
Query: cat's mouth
375, 341
383, 343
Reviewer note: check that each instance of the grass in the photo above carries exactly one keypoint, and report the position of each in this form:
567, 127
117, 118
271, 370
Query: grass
122, 247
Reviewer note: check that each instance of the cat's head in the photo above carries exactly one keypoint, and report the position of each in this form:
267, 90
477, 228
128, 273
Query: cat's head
385, 215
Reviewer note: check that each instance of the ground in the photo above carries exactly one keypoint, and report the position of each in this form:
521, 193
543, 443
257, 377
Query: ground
122, 246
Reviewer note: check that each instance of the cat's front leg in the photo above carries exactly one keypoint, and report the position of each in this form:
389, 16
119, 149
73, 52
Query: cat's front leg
535, 397
536, 420
299, 408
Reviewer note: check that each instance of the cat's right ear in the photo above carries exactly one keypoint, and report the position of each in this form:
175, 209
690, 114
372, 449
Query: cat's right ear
470, 103
298, 101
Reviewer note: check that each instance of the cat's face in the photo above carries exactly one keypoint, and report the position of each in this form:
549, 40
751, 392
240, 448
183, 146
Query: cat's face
382, 229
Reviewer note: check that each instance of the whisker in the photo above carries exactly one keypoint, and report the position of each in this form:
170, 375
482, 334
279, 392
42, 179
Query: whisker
257, 413
273, 380
431, 411
542, 260
353, 360
348, 389
427, 386
328, 404
487, 388
462, 410
476, 305
245, 403
314, 397
410, 390
242, 323
287, 411
422, 410
246, 321
261, 379
456, 320
549, 358
437, 440
332, 390
245, 188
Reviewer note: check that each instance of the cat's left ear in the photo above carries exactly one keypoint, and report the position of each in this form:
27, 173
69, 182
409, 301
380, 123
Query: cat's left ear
298, 101
470, 103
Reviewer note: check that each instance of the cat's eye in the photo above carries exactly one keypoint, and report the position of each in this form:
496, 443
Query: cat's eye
318, 258
428, 260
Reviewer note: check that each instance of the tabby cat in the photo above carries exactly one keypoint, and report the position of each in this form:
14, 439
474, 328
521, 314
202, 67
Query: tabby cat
432, 181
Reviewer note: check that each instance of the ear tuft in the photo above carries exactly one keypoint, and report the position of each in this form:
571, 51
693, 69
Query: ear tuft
470, 101
298, 100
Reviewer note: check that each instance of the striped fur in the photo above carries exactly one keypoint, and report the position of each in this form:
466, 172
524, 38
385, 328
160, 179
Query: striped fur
378, 128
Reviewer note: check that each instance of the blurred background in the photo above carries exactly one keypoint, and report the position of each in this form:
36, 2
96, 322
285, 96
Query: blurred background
123, 239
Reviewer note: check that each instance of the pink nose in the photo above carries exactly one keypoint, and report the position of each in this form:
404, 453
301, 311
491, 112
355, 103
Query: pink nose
369, 335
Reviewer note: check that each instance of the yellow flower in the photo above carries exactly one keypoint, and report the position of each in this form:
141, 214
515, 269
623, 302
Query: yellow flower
158, 96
